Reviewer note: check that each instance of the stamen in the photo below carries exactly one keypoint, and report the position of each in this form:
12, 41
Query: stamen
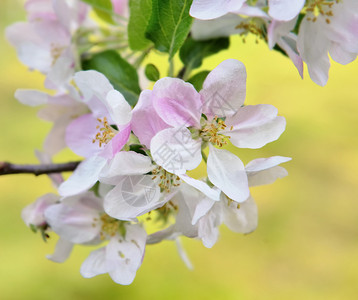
105, 133
166, 180
110, 226
210, 132
251, 26
321, 7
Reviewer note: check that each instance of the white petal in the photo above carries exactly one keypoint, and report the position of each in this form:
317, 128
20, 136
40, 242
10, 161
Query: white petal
62, 71
92, 83
340, 55
124, 257
254, 126
202, 209
222, 27
31, 97
74, 221
132, 197
63, 250
95, 264
266, 176
211, 9
212, 193
209, 229
227, 172
127, 163
175, 150
183, 255
243, 219
166, 234
224, 89
84, 177
313, 46
261, 164
285, 10
118, 107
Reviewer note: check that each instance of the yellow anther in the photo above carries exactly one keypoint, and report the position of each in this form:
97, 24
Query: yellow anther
166, 179
321, 7
105, 133
110, 226
210, 132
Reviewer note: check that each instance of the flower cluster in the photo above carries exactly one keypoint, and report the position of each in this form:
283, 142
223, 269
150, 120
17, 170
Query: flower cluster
306, 31
137, 158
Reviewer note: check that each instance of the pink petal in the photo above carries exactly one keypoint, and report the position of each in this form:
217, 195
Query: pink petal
177, 102
80, 134
146, 123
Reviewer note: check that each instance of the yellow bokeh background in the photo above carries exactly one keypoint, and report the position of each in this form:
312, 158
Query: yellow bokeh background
306, 244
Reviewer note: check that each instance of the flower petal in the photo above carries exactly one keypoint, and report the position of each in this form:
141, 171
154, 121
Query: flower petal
221, 27
212, 9
175, 150
34, 212
212, 193
63, 250
177, 102
31, 97
202, 209
84, 177
285, 10
133, 196
127, 163
254, 126
146, 123
243, 219
118, 107
80, 134
124, 257
95, 264
74, 219
227, 172
224, 89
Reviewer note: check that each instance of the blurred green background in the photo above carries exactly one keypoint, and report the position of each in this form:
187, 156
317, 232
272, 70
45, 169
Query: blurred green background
306, 245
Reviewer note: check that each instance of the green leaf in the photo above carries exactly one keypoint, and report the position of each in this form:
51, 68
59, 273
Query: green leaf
198, 79
151, 72
169, 25
193, 52
104, 5
103, 9
119, 72
140, 13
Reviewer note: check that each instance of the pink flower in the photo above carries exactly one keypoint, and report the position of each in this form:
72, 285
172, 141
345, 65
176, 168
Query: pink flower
221, 101
44, 43
99, 135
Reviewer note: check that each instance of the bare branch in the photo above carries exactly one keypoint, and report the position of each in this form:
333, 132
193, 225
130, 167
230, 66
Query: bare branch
7, 168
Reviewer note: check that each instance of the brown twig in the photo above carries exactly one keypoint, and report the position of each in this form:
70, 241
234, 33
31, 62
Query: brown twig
7, 168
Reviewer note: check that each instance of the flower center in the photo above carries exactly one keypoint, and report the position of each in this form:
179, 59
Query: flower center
110, 226
321, 7
210, 132
56, 52
105, 133
251, 26
166, 180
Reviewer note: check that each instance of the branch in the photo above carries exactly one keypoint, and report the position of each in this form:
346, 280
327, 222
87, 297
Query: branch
7, 168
